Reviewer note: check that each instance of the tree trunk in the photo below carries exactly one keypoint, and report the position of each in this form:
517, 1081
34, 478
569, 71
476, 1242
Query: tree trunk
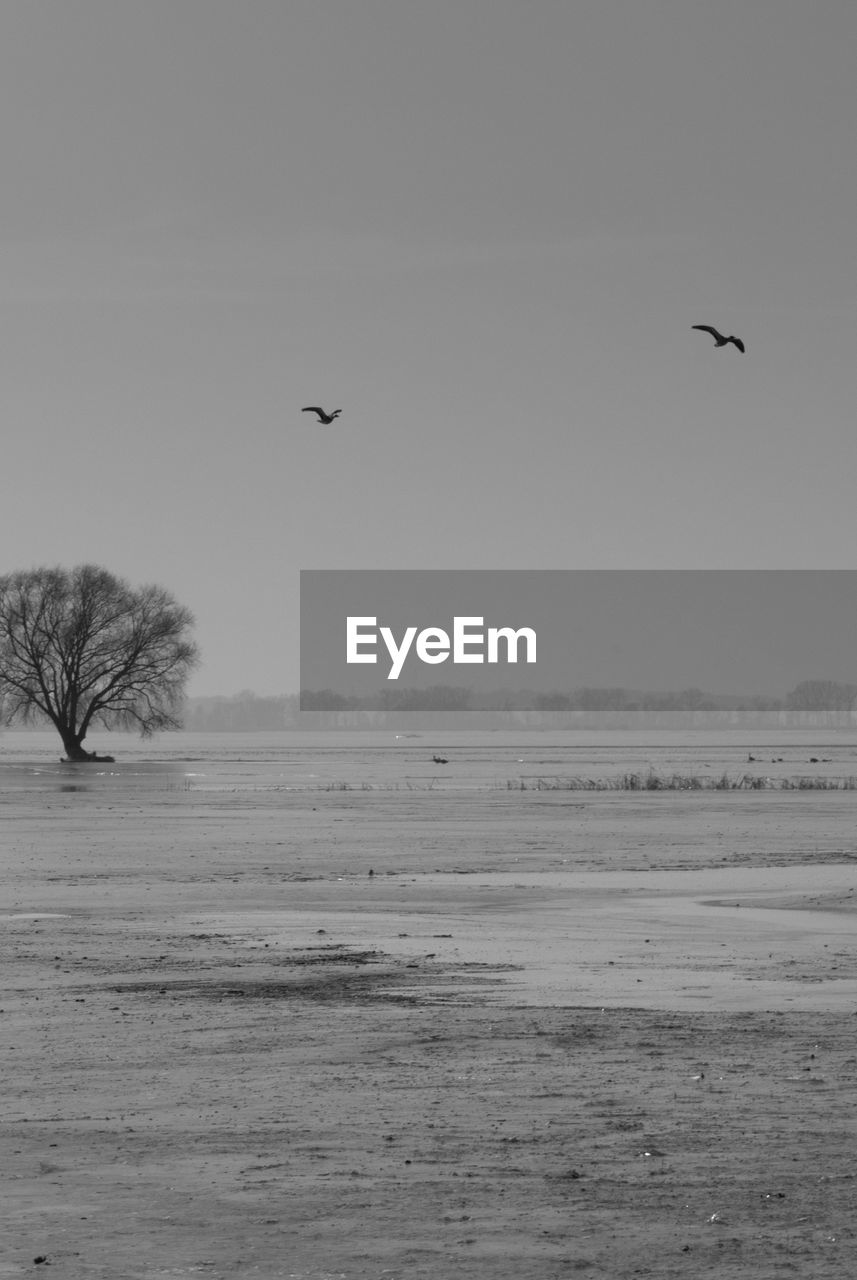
74, 750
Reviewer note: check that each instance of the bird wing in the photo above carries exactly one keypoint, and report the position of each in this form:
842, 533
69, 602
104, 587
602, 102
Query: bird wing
312, 408
708, 329
738, 343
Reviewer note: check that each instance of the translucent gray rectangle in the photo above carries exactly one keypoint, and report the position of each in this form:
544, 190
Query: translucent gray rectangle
588, 640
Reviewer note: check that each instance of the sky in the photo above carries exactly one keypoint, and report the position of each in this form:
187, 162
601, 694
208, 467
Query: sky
484, 229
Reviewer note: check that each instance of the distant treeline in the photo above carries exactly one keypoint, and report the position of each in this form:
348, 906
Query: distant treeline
244, 711
811, 703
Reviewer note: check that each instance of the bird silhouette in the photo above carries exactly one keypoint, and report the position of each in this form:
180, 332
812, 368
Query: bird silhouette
326, 418
718, 337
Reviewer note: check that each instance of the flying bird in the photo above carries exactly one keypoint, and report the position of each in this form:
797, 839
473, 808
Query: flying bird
718, 337
326, 418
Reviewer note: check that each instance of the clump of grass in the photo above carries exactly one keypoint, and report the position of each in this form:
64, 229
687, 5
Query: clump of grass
350, 786
652, 781
820, 784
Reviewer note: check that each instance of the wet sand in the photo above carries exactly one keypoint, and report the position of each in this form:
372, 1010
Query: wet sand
548, 1035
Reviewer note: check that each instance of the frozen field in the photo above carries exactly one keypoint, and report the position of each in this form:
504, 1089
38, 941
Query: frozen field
389, 760
318, 1006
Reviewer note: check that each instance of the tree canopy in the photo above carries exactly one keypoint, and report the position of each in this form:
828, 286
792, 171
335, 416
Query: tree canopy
81, 647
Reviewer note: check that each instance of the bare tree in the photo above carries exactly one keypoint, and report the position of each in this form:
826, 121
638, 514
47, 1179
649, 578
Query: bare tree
821, 695
81, 647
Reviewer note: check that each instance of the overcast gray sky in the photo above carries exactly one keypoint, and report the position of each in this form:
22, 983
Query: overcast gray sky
483, 228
